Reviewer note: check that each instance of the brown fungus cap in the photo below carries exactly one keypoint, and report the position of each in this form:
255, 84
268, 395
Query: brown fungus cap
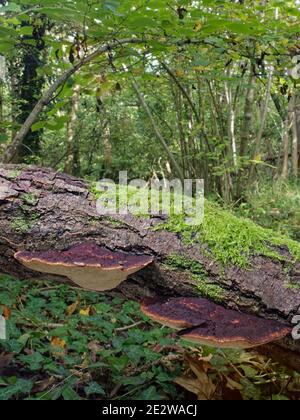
88, 265
206, 323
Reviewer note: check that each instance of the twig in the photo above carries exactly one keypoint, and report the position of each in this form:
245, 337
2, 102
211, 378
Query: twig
128, 327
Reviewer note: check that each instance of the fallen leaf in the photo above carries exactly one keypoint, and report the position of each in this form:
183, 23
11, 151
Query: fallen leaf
72, 308
202, 385
6, 312
85, 312
57, 342
95, 347
43, 385
191, 385
233, 385
199, 365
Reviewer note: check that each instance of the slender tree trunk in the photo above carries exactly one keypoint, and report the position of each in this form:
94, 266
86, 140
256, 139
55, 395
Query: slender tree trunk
259, 137
296, 136
2, 130
12, 149
70, 165
248, 115
64, 214
107, 146
231, 119
179, 118
156, 130
190, 101
286, 140
246, 129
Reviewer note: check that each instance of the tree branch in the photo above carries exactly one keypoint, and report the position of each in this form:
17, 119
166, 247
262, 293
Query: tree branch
11, 150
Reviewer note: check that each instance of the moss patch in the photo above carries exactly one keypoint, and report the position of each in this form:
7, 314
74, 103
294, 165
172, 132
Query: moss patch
183, 263
210, 290
230, 239
30, 198
292, 285
24, 224
198, 273
14, 174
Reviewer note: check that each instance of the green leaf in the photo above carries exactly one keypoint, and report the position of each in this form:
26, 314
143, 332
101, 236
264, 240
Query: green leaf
38, 126
69, 394
150, 394
16, 388
26, 30
94, 389
11, 7
111, 5
3, 137
34, 361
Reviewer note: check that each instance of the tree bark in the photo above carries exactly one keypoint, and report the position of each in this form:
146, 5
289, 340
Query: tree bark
246, 129
231, 118
42, 210
262, 125
71, 164
288, 124
296, 136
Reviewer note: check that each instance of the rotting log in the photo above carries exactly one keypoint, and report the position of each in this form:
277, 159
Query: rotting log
41, 209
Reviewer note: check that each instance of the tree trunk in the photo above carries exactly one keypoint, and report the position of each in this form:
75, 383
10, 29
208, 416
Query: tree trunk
262, 125
2, 130
47, 97
44, 210
231, 118
286, 140
296, 136
157, 130
71, 165
31, 83
246, 129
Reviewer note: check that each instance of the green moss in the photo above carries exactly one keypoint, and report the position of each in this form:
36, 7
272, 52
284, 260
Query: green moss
24, 224
115, 223
210, 290
292, 285
14, 174
30, 199
230, 239
198, 273
182, 263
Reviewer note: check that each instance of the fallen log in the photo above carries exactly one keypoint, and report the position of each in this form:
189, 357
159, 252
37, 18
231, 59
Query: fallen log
42, 210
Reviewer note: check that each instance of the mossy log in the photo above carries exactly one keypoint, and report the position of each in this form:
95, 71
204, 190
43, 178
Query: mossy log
43, 210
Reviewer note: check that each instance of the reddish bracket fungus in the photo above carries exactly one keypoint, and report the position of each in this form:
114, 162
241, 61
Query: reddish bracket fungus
88, 265
206, 323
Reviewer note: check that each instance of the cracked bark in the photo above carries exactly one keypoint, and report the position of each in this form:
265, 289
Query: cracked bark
41, 210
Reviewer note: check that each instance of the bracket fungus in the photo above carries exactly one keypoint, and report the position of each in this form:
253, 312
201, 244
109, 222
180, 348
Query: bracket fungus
88, 265
206, 323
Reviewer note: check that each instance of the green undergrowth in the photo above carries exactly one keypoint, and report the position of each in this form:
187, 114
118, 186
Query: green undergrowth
67, 344
198, 273
274, 205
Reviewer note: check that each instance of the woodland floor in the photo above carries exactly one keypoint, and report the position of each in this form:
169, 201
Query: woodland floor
65, 343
